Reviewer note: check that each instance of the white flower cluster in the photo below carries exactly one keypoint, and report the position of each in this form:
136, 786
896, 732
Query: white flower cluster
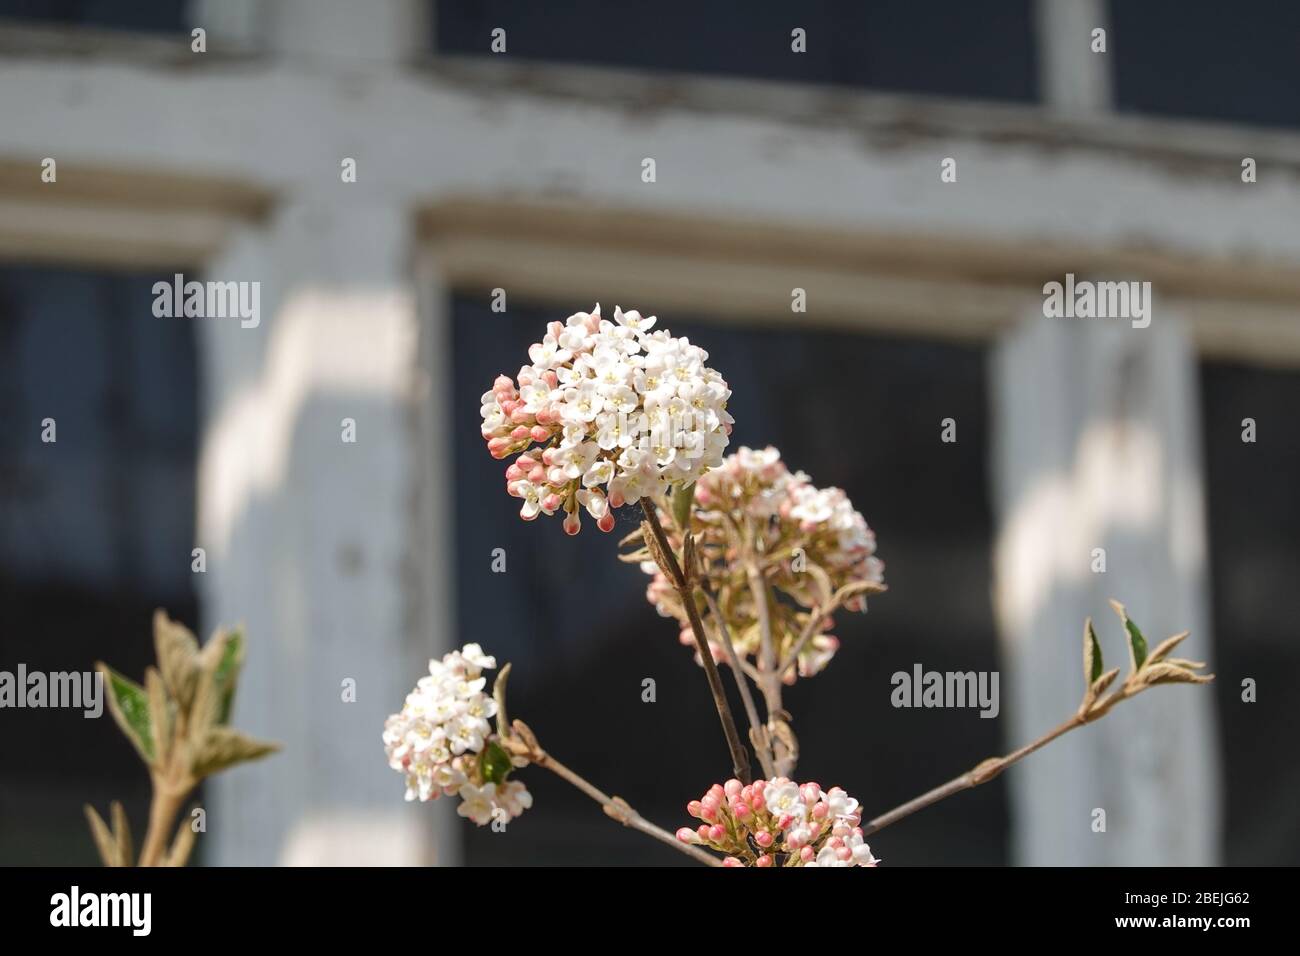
621, 413
814, 543
438, 737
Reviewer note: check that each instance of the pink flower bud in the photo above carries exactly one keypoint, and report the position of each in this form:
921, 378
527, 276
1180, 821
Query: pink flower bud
572, 524
519, 432
806, 854
551, 503
694, 808
732, 787
732, 862
717, 833
820, 810
616, 499
497, 447
763, 839
539, 433
686, 835
606, 522
503, 383
702, 831
740, 808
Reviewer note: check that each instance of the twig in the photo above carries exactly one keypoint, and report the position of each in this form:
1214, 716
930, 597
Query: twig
667, 561
524, 743
758, 735
784, 753
164, 806
981, 773
817, 615
1148, 670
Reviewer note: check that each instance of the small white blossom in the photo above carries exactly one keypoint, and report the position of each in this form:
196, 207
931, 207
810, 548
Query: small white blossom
595, 391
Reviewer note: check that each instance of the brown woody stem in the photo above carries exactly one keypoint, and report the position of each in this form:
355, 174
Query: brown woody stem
758, 735
668, 563
163, 807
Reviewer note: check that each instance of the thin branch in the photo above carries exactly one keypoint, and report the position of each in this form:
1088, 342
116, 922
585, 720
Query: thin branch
817, 615
1148, 671
784, 754
166, 803
981, 773
667, 561
524, 743
758, 735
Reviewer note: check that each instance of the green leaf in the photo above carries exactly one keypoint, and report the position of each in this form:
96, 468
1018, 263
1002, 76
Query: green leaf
1092, 660
494, 763
1137, 643
129, 705
682, 499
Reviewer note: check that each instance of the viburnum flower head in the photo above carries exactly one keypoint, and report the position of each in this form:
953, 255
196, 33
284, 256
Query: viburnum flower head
442, 740
779, 823
605, 414
812, 546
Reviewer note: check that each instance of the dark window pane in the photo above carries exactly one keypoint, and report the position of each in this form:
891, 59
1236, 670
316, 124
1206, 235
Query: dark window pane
1254, 566
96, 530
160, 16
1238, 62
949, 47
859, 412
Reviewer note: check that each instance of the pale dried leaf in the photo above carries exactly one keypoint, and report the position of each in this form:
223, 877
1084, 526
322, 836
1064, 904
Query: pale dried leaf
104, 841
1105, 680
225, 747
183, 845
160, 717
122, 834
178, 656
1167, 673
1165, 646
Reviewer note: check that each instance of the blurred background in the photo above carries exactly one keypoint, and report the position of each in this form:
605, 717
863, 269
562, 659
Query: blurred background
796, 225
